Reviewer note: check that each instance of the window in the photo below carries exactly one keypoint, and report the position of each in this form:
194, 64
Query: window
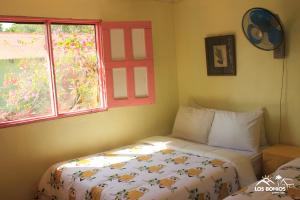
25, 83
76, 67
49, 68
52, 68
128, 63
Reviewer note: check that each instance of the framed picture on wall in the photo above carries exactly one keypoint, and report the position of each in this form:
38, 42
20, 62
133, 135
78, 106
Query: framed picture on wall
220, 55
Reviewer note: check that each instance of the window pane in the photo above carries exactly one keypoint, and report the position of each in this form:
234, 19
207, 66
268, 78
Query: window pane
141, 81
25, 86
120, 83
76, 67
138, 43
117, 44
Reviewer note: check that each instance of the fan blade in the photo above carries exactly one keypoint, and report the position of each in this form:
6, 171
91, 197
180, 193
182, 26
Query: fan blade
262, 19
275, 36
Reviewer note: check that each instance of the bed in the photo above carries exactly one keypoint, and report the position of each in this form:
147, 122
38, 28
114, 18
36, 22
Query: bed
153, 168
287, 177
254, 157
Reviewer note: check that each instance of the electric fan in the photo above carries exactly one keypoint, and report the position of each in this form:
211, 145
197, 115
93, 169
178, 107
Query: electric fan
264, 30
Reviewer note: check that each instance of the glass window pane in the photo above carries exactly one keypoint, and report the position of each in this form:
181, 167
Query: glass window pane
76, 67
138, 43
141, 81
117, 44
120, 83
25, 86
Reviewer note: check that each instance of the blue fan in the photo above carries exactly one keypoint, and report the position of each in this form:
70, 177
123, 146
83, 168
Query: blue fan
263, 29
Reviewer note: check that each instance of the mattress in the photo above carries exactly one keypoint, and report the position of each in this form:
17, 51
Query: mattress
255, 157
154, 168
256, 160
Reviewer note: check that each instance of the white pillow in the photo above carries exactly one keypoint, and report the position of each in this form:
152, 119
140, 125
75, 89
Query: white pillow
236, 130
263, 137
193, 124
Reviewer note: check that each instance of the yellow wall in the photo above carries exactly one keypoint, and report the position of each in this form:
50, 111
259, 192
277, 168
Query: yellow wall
258, 79
26, 151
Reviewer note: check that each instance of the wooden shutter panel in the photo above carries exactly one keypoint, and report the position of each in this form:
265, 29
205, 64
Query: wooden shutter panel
128, 60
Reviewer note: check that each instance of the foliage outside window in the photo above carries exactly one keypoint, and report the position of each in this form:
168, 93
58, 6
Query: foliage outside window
75, 61
31, 87
25, 85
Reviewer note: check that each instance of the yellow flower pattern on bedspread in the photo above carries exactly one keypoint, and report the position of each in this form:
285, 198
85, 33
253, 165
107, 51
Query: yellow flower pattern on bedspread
288, 171
139, 172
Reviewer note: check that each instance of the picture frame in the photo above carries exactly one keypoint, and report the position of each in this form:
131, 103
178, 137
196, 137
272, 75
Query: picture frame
220, 55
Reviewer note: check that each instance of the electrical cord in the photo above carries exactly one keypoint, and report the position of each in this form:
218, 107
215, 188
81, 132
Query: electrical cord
280, 101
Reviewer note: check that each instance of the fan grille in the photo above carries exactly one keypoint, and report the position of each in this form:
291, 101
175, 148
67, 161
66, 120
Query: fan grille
262, 28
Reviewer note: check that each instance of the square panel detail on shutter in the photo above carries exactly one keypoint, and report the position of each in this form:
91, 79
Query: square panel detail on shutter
119, 83
141, 82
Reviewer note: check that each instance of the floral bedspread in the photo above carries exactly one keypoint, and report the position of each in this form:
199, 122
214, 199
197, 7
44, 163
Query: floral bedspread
284, 184
140, 172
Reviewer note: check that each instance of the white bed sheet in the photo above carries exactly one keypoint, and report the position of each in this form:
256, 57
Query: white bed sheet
256, 160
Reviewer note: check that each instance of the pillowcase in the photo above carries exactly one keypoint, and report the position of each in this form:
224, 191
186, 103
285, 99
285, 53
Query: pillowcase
236, 130
263, 137
193, 124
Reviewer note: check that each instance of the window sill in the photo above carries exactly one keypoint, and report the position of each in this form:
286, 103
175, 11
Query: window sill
48, 118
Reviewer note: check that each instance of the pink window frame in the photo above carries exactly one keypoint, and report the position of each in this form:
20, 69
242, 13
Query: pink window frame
129, 63
101, 70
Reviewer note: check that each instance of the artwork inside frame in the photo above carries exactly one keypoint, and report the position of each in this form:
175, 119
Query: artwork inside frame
220, 55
